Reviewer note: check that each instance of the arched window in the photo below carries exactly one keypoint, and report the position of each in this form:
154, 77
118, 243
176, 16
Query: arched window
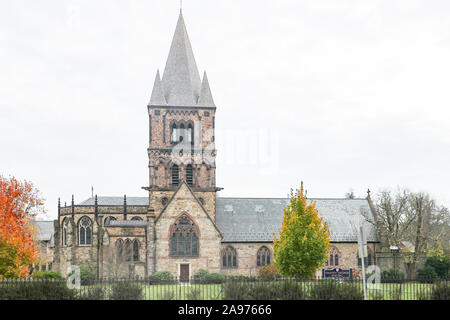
65, 231
108, 220
189, 175
182, 132
119, 250
263, 257
229, 259
175, 176
128, 250
184, 238
190, 133
136, 218
334, 257
173, 135
85, 231
136, 246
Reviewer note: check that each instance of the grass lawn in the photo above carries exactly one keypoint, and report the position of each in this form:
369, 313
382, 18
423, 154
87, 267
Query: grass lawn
384, 291
172, 291
183, 292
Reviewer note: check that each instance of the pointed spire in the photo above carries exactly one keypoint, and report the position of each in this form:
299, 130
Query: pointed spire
157, 97
181, 80
206, 98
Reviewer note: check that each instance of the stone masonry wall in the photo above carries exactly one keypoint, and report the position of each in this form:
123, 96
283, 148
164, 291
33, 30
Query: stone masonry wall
209, 237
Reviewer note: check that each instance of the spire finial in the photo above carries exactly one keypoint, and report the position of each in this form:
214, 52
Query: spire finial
181, 6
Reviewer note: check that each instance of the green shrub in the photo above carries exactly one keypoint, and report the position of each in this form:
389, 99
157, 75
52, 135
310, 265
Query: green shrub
204, 276
332, 290
427, 274
262, 290
441, 265
92, 293
161, 277
441, 291
392, 276
87, 275
46, 275
35, 290
268, 272
323, 290
237, 290
288, 290
126, 290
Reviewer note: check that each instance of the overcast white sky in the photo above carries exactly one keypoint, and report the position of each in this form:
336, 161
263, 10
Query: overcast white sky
355, 93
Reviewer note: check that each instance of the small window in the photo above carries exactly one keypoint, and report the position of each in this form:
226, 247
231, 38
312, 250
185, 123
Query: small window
164, 201
229, 258
206, 113
85, 231
128, 250
136, 250
65, 231
108, 220
190, 133
136, 219
182, 132
333, 257
189, 175
119, 251
173, 136
263, 257
175, 176
157, 112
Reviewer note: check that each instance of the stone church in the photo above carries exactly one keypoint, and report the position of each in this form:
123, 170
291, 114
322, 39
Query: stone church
183, 226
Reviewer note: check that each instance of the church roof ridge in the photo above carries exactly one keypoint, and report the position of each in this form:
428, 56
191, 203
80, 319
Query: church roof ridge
287, 198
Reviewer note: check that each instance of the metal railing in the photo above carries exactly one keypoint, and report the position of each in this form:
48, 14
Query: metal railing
231, 288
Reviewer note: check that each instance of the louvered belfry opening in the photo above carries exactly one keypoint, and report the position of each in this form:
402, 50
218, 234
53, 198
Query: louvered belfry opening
175, 175
189, 175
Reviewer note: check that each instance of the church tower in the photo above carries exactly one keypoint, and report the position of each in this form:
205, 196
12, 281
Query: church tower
181, 129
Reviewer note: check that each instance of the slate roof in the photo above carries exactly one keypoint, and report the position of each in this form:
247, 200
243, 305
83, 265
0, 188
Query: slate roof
44, 231
180, 84
256, 219
116, 201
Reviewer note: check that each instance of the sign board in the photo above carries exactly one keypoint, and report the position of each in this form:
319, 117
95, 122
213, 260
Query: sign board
337, 273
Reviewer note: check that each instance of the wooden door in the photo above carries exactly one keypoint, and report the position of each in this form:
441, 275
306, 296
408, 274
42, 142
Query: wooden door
184, 272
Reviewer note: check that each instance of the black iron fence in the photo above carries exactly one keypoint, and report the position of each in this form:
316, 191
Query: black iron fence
236, 288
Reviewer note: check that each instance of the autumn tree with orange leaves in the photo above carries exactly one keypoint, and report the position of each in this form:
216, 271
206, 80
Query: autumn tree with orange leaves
303, 243
19, 201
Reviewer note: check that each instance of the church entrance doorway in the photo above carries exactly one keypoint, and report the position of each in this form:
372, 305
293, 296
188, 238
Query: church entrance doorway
184, 272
